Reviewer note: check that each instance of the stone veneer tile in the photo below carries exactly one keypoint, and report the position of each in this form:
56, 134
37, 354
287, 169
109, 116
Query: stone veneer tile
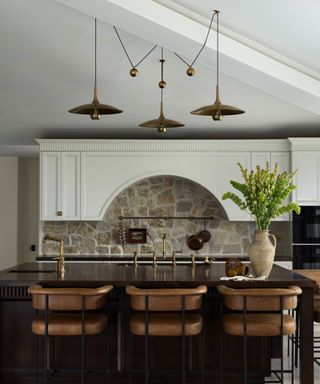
161, 196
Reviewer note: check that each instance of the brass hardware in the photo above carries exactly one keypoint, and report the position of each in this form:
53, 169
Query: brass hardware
193, 260
134, 72
217, 110
95, 109
59, 213
191, 71
154, 259
60, 260
173, 259
166, 217
135, 259
161, 123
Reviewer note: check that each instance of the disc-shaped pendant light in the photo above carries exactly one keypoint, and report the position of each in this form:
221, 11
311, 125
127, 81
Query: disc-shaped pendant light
95, 109
161, 123
217, 109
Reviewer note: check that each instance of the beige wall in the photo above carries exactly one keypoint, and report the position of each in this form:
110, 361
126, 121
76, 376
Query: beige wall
8, 211
28, 208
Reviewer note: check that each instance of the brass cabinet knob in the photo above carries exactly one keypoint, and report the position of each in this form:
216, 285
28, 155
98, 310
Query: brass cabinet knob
59, 213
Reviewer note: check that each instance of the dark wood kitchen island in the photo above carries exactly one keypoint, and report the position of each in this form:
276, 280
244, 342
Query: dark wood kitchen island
16, 340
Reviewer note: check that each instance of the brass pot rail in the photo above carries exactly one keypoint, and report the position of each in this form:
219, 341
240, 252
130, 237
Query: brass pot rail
166, 217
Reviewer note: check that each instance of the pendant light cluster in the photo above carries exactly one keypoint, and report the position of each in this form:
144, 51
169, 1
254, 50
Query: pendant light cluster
161, 123
95, 109
216, 110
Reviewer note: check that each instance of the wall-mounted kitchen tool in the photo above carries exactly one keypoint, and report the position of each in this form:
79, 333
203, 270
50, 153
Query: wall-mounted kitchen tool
204, 234
137, 235
195, 242
122, 233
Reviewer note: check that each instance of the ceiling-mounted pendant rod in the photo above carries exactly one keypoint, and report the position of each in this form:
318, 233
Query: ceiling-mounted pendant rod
161, 123
95, 109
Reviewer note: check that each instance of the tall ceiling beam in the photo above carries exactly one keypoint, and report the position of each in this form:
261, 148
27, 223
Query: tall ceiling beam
158, 24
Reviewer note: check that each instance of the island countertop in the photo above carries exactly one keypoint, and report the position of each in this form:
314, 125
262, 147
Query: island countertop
15, 302
121, 275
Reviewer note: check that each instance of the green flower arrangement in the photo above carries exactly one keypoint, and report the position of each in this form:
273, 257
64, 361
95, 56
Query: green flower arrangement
264, 193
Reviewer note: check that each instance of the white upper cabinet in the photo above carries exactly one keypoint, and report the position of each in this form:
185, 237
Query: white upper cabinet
80, 178
60, 186
281, 158
308, 177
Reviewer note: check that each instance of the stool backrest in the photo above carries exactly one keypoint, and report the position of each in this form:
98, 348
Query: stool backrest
68, 299
260, 299
166, 299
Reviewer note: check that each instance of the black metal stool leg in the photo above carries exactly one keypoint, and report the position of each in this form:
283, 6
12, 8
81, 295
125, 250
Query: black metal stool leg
45, 360
281, 335
245, 373
146, 362
83, 332
183, 341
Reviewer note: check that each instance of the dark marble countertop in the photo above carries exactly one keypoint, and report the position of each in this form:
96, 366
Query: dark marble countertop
129, 258
121, 275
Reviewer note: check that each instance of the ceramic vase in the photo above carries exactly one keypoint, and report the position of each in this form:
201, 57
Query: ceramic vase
261, 252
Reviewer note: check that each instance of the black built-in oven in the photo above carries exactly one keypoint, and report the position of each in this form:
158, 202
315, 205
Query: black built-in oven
306, 238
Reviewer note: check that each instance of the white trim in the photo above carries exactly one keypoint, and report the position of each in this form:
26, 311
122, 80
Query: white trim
49, 145
304, 143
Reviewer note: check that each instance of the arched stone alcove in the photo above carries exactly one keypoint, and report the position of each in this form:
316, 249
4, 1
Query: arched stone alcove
160, 196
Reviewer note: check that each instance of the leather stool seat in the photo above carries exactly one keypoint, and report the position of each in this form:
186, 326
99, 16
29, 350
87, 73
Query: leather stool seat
166, 324
69, 324
258, 324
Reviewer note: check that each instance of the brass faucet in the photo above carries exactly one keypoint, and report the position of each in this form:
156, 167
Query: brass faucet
164, 246
193, 260
154, 260
173, 259
135, 259
60, 260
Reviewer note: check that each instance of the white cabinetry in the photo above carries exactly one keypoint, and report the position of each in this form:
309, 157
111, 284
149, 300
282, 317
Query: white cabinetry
281, 158
105, 175
60, 185
308, 177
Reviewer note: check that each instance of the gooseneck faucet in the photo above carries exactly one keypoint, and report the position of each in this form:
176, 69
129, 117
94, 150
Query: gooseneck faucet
60, 266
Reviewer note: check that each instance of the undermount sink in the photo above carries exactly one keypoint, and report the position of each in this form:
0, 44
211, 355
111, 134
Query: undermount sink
30, 271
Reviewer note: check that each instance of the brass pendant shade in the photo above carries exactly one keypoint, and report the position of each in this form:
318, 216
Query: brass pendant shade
95, 109
161, 123
217, 110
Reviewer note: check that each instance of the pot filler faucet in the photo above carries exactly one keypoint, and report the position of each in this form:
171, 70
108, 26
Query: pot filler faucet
60, 260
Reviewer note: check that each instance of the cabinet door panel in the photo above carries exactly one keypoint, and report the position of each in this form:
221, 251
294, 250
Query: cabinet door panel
50, 185
70, 185
259, 158
307, 179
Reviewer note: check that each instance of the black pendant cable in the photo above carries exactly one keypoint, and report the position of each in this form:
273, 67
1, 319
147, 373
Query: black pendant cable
217, 110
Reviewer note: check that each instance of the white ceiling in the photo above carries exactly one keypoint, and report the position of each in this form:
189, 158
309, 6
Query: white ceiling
270, 57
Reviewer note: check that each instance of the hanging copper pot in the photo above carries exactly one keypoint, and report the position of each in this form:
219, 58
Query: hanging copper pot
195, 242
204, 234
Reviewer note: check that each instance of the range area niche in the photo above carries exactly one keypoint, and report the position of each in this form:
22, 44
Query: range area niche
158, 196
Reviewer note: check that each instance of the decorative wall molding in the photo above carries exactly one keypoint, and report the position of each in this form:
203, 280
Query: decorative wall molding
196, 146
304, 143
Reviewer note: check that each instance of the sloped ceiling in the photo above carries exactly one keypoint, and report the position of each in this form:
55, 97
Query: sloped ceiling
269, 67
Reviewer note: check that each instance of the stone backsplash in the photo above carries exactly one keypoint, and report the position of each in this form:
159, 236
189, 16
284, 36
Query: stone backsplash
161, 196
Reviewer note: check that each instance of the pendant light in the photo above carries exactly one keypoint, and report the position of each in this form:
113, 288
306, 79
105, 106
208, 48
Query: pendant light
95, 109
161, 123
217, 109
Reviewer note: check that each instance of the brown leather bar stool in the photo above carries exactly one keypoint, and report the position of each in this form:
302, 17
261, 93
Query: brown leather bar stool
68, 312
165, 312
259, 312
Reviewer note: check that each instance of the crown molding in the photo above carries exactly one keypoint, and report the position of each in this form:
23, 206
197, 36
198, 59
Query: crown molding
195, 146
304, 143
